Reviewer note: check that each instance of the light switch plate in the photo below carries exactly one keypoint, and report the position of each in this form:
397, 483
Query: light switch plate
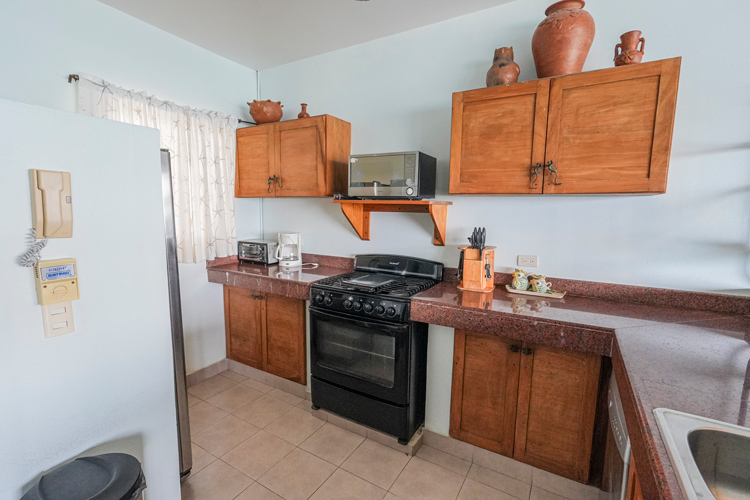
528, 261
57, 319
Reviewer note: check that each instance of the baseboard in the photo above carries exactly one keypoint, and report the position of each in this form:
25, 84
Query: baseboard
209, 371
283, 384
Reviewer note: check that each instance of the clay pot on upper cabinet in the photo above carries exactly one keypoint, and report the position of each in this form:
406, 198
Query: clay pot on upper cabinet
629, 53
503, 71
266, 111
562, 41
303, 113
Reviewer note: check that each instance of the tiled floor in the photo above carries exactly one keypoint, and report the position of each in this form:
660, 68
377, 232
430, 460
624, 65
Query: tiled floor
255, 442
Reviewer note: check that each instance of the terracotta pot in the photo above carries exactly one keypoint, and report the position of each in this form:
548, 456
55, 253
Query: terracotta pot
503, 71
562, 41
629, 53
303, 113
266, 111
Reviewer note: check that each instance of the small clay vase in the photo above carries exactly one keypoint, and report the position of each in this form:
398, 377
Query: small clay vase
562, 41
266, 111
503, 71
628, 48
303, 113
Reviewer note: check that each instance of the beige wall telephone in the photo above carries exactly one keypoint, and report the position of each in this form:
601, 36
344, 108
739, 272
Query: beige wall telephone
51, 204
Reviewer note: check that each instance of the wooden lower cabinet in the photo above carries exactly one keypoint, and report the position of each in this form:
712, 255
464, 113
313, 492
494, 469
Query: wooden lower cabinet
266, 331
535, 404
634, 485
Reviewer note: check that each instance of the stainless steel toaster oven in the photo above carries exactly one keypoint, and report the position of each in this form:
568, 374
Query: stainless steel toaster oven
409, 175
258, 251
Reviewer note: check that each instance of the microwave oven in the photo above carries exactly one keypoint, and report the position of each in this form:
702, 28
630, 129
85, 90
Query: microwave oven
409, 175
259, 251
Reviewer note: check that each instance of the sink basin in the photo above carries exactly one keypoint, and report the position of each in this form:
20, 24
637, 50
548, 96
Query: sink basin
712, 458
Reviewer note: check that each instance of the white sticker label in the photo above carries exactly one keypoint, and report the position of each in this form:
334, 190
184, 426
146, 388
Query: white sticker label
55, 273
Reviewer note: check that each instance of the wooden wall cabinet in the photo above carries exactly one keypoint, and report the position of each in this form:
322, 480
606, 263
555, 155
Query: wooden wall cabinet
605, 131
266, 331
303, 157
536, 404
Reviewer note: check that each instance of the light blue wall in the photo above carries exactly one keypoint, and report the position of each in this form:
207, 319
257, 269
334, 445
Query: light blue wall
109, 385
397, 91
45, 40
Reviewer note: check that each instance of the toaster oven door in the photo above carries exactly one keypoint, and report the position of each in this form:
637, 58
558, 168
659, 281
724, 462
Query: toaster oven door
383, 175
252, 252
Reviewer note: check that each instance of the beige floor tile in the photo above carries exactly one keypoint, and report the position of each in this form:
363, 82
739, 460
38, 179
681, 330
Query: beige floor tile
305, 405
218, 481
332, 444
443, 459
233, 376
192, 400
210, 387
201, 458
297, 476
203, 415
563, 487
234, 398
224, 435
506, 484
540, 494
263, 411
376, 463
258, 454
258, 386
391, 496
504, 465
294, 426
423, 480
258, 492
289, 399
345, 486
449, 445
473, 490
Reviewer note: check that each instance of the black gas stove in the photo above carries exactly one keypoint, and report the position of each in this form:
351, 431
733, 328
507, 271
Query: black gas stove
369, 361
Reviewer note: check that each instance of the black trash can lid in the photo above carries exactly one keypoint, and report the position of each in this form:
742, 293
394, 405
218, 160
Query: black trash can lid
113, 476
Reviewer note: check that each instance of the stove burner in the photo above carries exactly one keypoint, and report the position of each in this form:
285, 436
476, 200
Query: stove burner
381, 284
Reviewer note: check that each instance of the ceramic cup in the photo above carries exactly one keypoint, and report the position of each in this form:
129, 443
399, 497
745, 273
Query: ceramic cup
520, 281
540, 284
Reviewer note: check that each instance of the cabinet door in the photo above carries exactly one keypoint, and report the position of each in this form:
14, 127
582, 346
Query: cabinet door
301, 157
634, 485
255, 157
610, 131
556, 408
497, 138
285, 353
484, 391
244, 317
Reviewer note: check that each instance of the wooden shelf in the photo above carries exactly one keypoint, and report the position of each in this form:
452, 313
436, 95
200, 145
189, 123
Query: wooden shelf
357, 213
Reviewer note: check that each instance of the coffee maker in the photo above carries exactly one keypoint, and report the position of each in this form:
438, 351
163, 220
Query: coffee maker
289, 251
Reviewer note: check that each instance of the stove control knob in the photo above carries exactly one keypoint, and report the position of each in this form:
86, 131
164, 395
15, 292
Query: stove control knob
391, 311
328, 301
319, 299
380, 310
348, 304
357, 306
367, 307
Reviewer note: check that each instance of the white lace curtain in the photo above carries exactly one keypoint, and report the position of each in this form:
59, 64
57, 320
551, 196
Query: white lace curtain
202, 147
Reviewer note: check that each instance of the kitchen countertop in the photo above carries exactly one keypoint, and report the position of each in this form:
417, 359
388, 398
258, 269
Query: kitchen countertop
691, 360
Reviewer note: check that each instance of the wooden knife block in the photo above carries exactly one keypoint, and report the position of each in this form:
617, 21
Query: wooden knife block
475, 275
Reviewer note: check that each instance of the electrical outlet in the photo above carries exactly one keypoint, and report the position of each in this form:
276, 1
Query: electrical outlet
528, 260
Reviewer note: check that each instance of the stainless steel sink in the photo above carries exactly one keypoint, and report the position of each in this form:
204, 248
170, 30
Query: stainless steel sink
712, 458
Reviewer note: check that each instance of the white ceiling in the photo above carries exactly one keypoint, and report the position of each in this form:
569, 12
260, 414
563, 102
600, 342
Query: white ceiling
261, 34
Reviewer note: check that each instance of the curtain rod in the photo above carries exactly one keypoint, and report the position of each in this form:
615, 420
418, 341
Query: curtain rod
72, 78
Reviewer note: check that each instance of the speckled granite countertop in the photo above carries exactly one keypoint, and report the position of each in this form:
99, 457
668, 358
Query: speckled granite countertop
695, 361
685, 351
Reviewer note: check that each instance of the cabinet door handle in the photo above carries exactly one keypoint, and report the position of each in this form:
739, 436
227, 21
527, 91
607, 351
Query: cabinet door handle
515, 348
527, 351
270, 180
278, 181
553, 170
257, 297
535, 171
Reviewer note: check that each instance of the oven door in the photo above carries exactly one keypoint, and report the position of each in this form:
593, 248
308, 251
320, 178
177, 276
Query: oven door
366, 356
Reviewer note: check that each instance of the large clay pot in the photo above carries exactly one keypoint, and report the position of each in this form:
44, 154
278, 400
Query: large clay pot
629, 53
562, 41
266, 111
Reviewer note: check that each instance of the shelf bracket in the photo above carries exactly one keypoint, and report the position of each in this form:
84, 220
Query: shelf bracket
439, 214
358, 218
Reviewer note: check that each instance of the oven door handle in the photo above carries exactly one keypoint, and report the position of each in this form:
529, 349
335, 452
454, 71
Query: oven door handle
391, 327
